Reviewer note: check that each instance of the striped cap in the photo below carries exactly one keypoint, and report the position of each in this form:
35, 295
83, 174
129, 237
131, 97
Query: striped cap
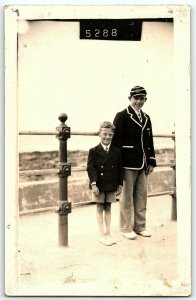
137, 90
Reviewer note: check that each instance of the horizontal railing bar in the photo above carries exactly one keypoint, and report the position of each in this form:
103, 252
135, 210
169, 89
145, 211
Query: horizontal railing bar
37, 210
83, 133
95, 133
74, 169
51, 208
164, 135
160, 165
161, 193
38, 132
38, 172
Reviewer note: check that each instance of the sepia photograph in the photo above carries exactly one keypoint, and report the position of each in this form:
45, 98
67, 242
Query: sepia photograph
97, 150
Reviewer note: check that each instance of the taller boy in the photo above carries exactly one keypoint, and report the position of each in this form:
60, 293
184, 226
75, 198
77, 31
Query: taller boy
133, 135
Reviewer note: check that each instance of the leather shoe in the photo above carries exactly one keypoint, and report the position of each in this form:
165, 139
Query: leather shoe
129, 235
144, 233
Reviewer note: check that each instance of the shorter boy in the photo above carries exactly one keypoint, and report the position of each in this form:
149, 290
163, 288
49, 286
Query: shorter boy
104, 167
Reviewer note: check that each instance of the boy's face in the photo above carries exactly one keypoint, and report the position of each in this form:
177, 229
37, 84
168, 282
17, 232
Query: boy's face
137, 102
106, 135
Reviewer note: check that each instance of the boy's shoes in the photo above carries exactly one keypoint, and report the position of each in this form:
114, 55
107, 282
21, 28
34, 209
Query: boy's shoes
105, 241
144, 233
109, 238
130, 235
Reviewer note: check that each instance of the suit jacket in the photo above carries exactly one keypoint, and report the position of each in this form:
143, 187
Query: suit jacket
105, 168
135, 139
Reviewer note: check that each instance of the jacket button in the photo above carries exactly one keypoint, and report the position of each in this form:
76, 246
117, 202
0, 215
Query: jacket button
101, 166
101, 173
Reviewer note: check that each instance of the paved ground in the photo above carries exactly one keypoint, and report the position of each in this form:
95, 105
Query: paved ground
141, 267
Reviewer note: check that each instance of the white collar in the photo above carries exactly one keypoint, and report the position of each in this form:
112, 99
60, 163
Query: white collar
136, 111
104, 146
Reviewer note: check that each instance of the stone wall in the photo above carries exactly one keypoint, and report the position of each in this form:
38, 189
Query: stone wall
41, 194
41, 191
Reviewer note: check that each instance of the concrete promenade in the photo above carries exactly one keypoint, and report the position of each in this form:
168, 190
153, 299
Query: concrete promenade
141, 267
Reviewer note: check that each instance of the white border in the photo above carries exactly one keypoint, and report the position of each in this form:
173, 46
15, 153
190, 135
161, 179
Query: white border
182, 100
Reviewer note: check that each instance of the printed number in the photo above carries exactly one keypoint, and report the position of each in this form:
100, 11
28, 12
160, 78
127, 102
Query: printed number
88, 33
114, 32
97, 32
105, 33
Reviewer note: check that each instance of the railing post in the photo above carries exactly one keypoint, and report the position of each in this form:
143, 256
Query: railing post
64, 172
173, 195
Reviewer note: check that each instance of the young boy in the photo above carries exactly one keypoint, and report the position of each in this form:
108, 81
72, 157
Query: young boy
104, 169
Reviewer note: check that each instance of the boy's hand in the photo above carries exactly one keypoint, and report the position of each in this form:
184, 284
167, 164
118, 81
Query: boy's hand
149, 170
95, 189
119, 190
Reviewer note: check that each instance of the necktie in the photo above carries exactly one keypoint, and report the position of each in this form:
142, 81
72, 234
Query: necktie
139, 116
106, 149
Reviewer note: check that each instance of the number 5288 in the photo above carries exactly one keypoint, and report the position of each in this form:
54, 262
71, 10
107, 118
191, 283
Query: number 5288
96, 33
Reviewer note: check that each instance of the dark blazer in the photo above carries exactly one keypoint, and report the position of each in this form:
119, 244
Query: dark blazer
105, 168
135, 139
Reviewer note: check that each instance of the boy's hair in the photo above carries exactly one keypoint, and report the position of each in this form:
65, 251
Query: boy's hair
106, 124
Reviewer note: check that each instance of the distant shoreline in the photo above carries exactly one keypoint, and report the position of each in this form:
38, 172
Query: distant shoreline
158, 150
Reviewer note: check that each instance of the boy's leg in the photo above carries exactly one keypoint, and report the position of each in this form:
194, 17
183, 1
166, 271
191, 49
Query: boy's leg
111, 197
107, 208
100, 207
103, 238
126, 201
140, 202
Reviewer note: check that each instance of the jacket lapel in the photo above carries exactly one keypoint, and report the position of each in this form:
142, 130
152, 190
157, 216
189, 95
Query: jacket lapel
145, 119
102, 152
134, 117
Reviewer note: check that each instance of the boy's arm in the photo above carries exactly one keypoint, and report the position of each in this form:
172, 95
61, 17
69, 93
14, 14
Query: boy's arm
91, 169
120, 169
119, 190
152, 159
119, 129
120, 174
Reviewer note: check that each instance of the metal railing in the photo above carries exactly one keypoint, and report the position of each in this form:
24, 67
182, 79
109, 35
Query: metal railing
64, 170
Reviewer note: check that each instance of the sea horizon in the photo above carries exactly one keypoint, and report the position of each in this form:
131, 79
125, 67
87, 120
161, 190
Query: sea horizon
76, 143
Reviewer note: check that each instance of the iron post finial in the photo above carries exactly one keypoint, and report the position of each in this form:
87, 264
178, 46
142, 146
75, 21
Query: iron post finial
63, 129
63, 118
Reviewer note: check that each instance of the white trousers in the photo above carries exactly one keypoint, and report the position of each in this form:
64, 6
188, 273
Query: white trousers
133, 201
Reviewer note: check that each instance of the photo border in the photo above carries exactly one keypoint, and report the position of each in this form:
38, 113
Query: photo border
182, 95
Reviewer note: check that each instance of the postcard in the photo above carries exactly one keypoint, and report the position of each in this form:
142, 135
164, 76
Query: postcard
69, 69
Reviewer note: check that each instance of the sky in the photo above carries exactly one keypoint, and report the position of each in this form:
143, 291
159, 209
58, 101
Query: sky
91, 80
